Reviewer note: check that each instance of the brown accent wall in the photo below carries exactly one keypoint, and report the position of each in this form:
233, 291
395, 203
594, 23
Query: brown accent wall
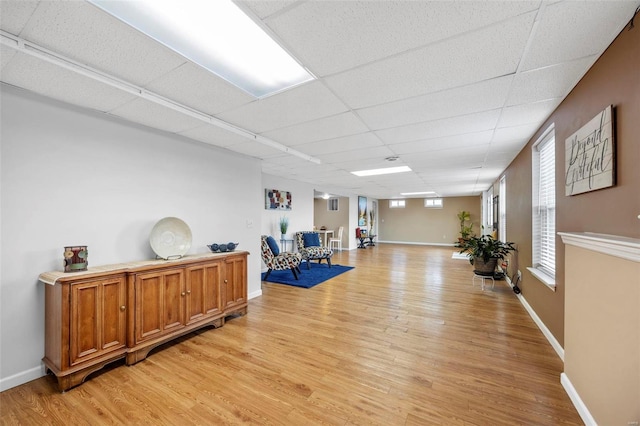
418, 224
333, 219
613, 80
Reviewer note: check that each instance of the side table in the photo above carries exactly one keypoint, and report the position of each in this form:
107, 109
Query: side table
362, 239
283, 244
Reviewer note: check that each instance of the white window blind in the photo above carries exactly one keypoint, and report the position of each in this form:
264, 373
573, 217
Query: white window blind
544, 205
502, 217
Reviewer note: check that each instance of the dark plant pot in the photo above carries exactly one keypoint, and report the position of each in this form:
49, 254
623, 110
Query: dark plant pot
484, 268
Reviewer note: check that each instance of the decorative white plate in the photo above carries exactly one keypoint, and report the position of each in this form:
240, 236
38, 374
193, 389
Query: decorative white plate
170, 238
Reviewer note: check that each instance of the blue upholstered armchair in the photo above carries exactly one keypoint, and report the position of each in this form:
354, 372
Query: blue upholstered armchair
277, 261
310, 248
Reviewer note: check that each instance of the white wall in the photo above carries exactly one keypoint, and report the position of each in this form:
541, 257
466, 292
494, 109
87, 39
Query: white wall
73, 176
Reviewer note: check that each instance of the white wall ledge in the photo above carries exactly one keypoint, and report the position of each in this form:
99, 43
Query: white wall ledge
546, 279
614, 245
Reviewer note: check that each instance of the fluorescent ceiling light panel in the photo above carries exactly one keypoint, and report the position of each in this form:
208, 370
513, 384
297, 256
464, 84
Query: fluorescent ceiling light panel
385, 171
216, 35
417, 193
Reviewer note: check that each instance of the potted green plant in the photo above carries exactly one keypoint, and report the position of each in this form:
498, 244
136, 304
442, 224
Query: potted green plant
466, 230
284, 225
484, 252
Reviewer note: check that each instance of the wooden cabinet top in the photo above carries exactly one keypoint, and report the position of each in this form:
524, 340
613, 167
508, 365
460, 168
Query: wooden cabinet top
54, 277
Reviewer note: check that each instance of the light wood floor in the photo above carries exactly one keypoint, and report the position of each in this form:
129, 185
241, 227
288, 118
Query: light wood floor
403, 339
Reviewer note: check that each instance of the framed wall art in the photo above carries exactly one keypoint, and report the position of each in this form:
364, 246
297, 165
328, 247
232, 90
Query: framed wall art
275, 199
362, 211
590, 155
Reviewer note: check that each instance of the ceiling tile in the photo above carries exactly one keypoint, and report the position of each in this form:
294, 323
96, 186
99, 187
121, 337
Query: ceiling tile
199, 89
324, 128
14, 15
86, 34
263, 9
439, 128
300, 104
214, 135
513, 136
445, 143
480, 55
483, 96
331, 37
361, 141
547, 83
154, 115
363, 159
288, 161
471, 154
255, 149
6, 54
535, 112
59, 83
570, 30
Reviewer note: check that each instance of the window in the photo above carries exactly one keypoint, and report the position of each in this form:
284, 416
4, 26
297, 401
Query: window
396, 204
332, 204
544, 208
502, 216
488, 211
433, 203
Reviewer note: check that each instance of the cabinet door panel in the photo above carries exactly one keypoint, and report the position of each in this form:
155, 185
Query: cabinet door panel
85, 327
98, 324
148, 306
196, 282
173, 299
114, 326
203, 291
235, 288
213, 289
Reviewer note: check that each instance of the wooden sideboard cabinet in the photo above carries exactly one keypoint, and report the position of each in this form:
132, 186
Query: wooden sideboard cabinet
119, 311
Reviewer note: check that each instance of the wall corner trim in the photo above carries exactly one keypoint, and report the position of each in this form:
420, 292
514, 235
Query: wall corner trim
613, 245
582, 409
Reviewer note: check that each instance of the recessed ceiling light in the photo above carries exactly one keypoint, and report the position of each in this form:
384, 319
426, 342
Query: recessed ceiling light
216, 35
385, 171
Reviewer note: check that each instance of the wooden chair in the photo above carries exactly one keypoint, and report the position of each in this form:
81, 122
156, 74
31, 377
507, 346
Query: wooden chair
337, 241
276, 261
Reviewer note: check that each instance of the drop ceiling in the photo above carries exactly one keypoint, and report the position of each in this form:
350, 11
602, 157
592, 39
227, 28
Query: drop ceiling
453, 89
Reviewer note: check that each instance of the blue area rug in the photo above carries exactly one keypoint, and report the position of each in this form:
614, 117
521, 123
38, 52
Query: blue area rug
318, 273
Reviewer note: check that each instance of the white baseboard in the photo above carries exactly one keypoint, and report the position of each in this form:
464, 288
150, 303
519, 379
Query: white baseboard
582, 409
22, 377
416, 244
550, 337
255, 294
